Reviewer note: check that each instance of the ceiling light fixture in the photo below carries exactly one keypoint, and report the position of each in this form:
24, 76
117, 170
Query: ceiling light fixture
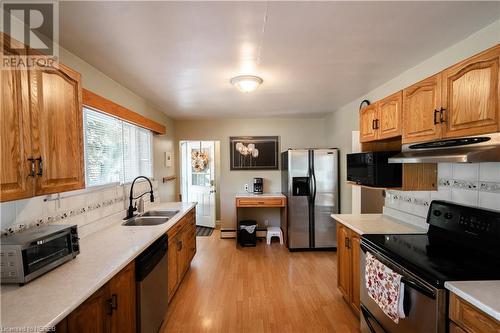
246, 83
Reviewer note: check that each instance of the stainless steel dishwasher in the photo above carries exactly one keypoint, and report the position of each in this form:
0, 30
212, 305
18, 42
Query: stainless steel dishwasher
152, 292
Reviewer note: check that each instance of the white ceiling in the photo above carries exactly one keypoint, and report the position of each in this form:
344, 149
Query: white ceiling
315, 56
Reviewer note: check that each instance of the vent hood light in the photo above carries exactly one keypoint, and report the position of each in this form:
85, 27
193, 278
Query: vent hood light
246, 83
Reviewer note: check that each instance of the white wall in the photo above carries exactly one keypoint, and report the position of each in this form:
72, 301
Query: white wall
340, 123
293, 132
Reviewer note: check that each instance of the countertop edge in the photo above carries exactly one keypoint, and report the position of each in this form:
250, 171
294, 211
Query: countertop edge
416, 229
472, 300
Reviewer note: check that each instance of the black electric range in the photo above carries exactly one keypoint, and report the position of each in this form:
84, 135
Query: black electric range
463, 243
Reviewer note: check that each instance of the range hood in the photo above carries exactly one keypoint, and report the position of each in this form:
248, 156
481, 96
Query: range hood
472, 149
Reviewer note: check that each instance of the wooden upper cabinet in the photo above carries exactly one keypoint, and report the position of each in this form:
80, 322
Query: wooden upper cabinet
15, 136
57, 129
421, 104
388, 123
367, 123
470, 95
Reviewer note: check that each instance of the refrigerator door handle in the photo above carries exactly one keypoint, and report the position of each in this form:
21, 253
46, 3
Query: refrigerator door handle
314, 186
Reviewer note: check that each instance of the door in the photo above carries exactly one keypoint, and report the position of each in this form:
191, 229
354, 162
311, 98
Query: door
57, 129
389, 116
16, 176
421, 105
343, 262
325, 196
199, 171
91, 316
471, 95
367, 123
355, 270
298, 199
122, 290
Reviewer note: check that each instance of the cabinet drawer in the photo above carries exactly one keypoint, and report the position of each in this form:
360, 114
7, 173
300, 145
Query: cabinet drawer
175, 229
470, 318
260, 202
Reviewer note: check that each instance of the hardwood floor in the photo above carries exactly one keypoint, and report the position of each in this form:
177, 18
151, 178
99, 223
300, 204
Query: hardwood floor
261, 289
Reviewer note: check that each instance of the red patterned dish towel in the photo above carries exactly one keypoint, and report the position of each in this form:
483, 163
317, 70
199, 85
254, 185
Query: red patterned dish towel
384, 287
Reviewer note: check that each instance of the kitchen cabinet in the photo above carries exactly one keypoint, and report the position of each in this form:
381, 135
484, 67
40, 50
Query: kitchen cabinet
388, 122
348, 269
181, 250
41, 132
421, 105
57, 129
470, 96
110, 309
16, 176
464, 317
382, 119
367, 123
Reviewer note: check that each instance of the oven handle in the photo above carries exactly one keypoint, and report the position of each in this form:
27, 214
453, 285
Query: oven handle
367, 316
406, 278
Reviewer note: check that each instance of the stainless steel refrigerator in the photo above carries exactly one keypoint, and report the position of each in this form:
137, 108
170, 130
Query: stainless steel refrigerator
310, 180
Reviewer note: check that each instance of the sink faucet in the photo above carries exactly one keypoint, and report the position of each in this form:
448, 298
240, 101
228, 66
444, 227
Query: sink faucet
131, 208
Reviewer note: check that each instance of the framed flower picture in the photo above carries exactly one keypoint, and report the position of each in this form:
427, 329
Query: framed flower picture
254, 152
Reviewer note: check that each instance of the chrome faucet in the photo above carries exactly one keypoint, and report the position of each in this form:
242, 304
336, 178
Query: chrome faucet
131, 209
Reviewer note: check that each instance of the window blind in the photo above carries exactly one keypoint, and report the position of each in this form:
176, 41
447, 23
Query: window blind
115, 151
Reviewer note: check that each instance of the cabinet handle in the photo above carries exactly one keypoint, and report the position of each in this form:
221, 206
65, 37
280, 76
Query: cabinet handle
347, 245
32, 169
179, 245
109, 306
373, 124
40, 166
376, 124
441, 115
436, 112
114, 301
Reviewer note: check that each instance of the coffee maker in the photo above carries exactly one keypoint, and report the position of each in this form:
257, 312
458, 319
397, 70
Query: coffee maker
258, 185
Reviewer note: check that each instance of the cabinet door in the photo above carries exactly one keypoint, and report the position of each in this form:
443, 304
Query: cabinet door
389, 116
15, 136
367, 123
183, 256
57, 129
471, 95
421, 103
355, 269
122, 291
91, 315
172, 266
343, 261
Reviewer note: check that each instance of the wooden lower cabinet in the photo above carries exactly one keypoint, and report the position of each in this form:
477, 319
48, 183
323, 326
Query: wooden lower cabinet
348, 266
464, 317
181, 250
110, 309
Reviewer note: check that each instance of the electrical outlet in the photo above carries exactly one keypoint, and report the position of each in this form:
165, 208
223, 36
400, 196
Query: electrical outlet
246, 187
266, 222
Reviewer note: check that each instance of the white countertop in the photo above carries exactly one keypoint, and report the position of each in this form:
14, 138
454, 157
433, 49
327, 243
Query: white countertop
48, 299
376, 224
485, 295
263, 195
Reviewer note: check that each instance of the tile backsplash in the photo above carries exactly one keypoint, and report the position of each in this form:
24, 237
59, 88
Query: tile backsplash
474, 184
80, 207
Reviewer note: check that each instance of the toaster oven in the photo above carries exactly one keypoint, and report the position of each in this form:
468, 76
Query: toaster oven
31, 253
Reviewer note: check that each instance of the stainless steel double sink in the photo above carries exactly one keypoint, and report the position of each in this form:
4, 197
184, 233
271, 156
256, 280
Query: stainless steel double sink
152, 217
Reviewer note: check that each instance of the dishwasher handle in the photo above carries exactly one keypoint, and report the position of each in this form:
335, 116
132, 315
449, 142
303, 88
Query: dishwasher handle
150, 257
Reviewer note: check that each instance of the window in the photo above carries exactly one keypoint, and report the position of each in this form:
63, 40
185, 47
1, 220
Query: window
115, 151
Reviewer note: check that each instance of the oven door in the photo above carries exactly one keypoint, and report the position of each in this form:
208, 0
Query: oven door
425, 306
43, 255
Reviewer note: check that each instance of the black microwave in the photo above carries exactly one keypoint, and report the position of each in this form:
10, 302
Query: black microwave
373, 169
